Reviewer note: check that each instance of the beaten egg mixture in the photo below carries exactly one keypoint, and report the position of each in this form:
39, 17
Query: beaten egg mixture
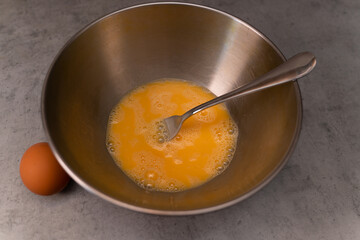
202, 149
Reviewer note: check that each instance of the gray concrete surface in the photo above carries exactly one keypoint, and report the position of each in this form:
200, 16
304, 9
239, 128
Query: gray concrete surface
316, 196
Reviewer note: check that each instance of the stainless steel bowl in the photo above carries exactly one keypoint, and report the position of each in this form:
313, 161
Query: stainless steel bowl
144, 43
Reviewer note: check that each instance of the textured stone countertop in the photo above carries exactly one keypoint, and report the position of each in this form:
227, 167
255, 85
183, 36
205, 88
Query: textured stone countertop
316, 195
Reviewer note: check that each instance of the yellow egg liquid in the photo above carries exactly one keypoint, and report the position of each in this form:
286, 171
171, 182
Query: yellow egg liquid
202, 149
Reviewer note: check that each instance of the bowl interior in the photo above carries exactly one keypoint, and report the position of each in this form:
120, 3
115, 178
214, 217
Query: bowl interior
132, 47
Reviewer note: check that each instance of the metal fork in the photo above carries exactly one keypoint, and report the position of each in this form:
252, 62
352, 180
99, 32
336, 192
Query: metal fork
294, 68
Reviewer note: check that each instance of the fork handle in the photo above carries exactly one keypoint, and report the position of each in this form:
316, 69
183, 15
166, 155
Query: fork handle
292, 69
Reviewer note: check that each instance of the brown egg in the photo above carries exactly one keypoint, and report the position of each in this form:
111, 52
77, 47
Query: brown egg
40, 171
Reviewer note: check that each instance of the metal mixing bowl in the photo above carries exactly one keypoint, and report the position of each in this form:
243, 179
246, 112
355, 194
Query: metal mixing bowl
137, 45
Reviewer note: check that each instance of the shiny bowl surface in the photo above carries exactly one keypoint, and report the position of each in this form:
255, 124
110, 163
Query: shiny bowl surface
131, 47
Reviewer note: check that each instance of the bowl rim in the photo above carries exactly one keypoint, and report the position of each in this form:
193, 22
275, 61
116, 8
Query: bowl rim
94, 191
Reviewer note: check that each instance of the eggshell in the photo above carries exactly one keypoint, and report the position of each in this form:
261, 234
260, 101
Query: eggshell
40, 171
